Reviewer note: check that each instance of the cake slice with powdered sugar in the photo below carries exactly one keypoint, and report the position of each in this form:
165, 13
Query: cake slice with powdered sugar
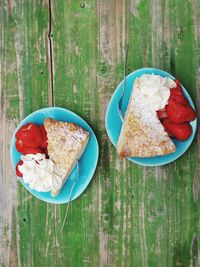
66, 144
142, 133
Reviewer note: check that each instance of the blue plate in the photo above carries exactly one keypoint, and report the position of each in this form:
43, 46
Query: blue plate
87, 163
113, 122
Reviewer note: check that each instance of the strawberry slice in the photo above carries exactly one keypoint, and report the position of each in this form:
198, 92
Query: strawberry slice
44, 141
178, 95
180, 131
179, 113
32, 150
30, 134
162, 114
178, 84
179, 98
18, 173
25, 149
19, 145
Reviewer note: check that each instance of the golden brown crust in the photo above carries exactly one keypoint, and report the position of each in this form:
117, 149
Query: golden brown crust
66, 143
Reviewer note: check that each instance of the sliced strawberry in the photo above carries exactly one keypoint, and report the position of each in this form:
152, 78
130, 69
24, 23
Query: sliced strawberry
177, 94
179, 113
165, 123
176, 112
162, 114
44, 141
30, 134
44, 144
18, 173
179, 98
32, 150
177, 84
180, 131
44, 133
19, 145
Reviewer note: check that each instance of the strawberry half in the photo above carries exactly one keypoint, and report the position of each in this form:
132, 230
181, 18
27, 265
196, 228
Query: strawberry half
180, 131
19, 145
44, 141
179, 98
178, 95
18, 173
30, 134
179, 113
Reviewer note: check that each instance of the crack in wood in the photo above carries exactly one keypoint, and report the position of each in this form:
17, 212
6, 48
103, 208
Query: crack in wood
50, 54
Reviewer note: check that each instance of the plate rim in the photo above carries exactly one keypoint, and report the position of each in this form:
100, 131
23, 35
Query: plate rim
134, 159
12, 144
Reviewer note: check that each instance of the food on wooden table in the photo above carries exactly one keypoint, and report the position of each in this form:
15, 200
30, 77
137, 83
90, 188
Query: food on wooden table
66, 144
50, 152
157, 110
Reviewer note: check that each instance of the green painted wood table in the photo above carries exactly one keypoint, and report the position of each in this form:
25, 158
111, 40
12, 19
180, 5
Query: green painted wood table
70, 54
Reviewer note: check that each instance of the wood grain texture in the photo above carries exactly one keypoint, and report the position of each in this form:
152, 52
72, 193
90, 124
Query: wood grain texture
129, 215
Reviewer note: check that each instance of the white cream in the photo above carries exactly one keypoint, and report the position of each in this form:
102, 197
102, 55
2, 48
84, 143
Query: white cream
155, 90
38, 173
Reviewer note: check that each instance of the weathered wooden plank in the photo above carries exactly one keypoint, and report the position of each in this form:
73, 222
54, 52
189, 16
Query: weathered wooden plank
74, 30
27, 223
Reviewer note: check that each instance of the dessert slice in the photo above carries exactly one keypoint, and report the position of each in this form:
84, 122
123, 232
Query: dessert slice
142, 133
66, 143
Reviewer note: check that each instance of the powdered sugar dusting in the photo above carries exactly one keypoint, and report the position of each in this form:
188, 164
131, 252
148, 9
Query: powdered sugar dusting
148, 120
142, 134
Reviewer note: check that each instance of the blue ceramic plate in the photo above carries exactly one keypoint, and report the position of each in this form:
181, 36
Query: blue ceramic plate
87, 163
113, 122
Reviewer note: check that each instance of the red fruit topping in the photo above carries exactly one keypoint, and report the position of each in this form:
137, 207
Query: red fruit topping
44, 144
46, 151
43, 131
179, 113
30, 134
179, 98
32, 150
162, 114
177, 84
179, 131
25, 149
19, 145
177, 94
44, 141
18, 173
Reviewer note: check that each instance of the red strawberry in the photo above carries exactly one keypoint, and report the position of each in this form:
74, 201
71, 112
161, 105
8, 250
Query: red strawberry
19, 145
44, 141
191, 113
179, 113
179, 98
177, 84
30, 134
179, 131
165, 123
177, 94
32, 150
18, 173
162, 114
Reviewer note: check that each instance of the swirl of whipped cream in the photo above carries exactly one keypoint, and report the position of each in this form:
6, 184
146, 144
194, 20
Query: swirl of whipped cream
38, 173
155, 90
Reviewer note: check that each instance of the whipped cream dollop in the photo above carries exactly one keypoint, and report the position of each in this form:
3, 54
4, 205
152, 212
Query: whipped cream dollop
38, 173
155, 90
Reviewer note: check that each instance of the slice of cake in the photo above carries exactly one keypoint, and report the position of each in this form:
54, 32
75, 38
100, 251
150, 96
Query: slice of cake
66, 143
142, 133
